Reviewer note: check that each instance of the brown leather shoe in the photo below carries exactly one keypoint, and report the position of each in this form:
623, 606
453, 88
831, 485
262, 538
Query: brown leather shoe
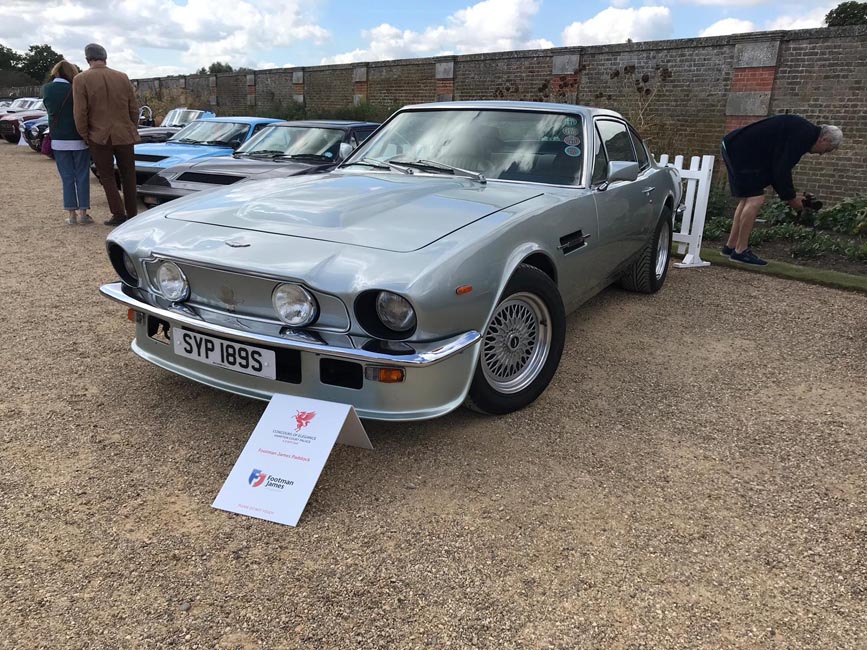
114, 221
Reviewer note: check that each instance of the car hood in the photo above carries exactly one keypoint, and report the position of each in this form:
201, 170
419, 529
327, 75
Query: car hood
385, 211
176, 154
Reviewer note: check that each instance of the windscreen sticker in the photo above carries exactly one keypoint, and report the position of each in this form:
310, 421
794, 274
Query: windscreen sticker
570, 121
569, 130
572, 151
571, 140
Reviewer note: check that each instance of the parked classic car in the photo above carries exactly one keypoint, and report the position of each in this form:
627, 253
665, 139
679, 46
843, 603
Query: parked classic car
20, 104
20, 111
434, 267
204, 138
34, 132
174, 121
279, 150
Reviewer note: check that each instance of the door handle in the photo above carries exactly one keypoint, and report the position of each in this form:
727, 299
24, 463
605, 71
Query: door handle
648, 190
573, 241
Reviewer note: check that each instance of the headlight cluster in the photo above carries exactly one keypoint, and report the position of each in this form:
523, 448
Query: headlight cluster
123, 265
394, 311
294, 305
172, 282
385, 315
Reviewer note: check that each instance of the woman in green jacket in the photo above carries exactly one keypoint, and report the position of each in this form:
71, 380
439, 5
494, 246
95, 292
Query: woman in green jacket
70, 152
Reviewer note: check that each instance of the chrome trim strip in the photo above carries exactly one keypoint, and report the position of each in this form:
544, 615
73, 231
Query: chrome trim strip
442, 351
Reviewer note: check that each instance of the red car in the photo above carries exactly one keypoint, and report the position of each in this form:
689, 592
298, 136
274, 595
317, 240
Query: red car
21, 110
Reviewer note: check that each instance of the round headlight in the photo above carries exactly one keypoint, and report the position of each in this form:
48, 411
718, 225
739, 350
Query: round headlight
129, 266
172, 281
294, 305
394, 311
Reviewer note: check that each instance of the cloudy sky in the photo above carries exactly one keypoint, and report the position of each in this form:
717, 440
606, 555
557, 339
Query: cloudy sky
159, 37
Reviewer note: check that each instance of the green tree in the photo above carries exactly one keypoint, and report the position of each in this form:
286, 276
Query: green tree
9, 58
38, 61
847, 13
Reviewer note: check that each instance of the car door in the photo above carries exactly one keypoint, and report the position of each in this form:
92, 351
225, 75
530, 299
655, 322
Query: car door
622, 206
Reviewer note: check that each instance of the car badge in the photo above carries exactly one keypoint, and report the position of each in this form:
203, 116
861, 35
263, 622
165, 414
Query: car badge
237, 243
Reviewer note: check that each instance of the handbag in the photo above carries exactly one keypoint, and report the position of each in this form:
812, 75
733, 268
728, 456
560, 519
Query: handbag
46, 149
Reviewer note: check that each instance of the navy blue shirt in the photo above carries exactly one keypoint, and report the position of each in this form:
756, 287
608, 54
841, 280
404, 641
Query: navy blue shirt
769, 149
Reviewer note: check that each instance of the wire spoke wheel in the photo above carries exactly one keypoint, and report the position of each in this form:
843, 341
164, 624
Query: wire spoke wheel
516, 343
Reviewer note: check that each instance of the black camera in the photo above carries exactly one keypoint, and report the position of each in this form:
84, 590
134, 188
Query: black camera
811, 202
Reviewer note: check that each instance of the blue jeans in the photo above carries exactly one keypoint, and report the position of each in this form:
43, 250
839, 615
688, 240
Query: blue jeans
74, 168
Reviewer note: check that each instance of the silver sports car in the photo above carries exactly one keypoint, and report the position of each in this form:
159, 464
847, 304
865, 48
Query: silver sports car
433, 268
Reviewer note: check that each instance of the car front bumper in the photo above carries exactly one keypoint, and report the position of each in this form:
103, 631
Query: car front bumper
436, 380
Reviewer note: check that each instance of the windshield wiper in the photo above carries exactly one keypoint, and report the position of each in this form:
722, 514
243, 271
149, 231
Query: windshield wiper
259, 152
217, 143
299, 156
433, 166
186, 141
379, 164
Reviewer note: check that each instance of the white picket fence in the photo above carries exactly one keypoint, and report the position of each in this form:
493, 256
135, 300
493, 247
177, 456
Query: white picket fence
696, 193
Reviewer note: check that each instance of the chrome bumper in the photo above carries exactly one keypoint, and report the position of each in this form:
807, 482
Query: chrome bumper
425, 355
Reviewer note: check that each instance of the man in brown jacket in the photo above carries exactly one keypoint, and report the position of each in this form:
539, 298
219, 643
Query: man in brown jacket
106, 116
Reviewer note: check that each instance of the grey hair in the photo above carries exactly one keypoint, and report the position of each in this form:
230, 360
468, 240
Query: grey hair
94, 52
831, 134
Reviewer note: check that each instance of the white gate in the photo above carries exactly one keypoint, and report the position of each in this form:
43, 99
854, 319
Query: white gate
695, 198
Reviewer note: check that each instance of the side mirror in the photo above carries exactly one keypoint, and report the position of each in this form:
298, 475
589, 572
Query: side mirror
345, 150
620, 170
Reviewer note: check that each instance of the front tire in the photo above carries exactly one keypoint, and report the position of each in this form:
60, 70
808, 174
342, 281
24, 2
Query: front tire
647, 273
521, 345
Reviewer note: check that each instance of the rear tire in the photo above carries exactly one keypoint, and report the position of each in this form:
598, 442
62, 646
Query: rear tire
648, 272
521, 345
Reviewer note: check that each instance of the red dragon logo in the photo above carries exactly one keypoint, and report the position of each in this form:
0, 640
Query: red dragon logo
303, 418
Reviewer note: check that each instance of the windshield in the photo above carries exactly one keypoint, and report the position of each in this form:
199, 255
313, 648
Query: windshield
180, 117
296, 141
226, 134
505, 145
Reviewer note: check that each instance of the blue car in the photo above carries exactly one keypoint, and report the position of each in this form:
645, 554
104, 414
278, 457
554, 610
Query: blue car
205, 138
34, 131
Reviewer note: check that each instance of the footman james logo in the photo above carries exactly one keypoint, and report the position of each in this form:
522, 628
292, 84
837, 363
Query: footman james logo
257, 477
303, 418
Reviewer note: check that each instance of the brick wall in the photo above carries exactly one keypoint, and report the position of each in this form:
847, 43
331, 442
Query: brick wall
327, 88
825, 80
396, 84
683, 95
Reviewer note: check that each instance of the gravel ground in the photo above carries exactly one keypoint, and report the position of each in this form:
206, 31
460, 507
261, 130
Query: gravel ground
693, 478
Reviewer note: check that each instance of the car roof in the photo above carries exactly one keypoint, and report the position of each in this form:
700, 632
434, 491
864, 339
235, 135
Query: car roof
515, 106
322, 123
239, 120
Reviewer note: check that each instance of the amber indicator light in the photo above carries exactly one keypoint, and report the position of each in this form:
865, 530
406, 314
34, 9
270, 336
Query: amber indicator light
464, 289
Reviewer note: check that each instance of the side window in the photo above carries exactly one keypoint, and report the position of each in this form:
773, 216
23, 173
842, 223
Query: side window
618, 144
641, 152
360, 136
600, 162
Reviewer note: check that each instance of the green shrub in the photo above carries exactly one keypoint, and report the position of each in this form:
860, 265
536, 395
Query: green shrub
849, 217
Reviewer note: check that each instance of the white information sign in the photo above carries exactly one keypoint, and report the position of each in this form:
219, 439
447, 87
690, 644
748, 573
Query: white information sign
276, 472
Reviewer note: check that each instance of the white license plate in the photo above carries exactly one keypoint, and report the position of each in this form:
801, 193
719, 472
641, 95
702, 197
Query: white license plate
225, 354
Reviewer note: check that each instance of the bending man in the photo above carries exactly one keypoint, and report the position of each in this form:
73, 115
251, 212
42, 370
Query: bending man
762, 154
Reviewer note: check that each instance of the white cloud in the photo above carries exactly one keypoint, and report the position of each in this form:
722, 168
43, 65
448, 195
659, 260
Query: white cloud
193, 34
807, 20
617, 25
487, 26
726, 3
728, 26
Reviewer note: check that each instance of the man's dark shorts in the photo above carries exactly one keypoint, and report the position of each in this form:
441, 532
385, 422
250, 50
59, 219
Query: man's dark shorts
744, 182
